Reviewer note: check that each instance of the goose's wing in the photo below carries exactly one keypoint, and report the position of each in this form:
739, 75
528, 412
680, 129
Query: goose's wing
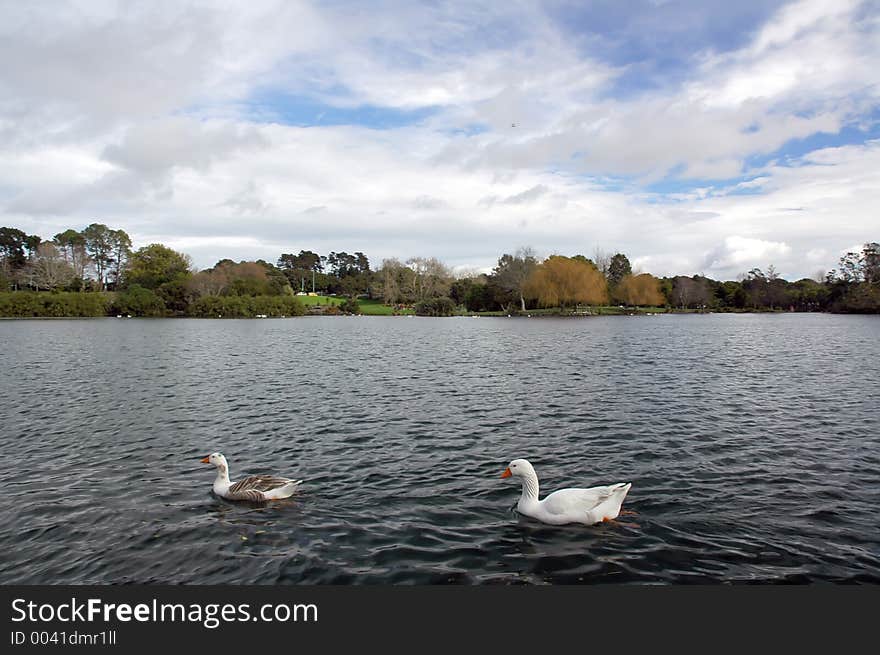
259, 483
567, 501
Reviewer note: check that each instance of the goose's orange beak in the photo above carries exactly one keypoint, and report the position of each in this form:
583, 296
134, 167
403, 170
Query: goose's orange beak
206, 460
506, 473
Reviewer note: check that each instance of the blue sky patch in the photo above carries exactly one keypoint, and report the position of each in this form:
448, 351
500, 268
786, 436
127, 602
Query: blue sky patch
794, 149
302, 111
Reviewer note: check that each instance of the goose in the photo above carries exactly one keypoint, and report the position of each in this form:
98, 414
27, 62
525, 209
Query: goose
254, 488
587, 506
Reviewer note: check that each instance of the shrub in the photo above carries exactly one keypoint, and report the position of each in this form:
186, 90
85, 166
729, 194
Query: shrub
245, 306
24, 304
442, 306
350, 306
138, 301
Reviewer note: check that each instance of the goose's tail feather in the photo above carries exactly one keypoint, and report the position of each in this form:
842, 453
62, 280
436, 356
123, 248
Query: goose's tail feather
284, 491
621, 489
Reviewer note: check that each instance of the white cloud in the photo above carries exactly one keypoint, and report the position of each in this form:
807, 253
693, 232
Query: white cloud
819, 255
154, 118
739, 252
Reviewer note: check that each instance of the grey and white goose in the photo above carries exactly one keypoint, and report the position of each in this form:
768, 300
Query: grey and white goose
254, 488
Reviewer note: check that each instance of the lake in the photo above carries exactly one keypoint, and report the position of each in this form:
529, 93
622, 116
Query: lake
752, 443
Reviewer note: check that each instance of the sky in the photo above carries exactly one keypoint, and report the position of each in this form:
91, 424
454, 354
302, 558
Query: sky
705, 137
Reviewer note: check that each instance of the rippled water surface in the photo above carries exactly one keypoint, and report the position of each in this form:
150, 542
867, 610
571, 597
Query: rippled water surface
752, 442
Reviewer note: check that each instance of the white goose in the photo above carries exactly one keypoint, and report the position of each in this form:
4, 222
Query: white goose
254, 488
587, 506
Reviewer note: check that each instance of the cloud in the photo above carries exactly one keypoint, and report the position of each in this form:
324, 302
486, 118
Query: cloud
173, 123
248, 201
429, 203
740, 252
524, 197
527, 196
154, 147
818, 255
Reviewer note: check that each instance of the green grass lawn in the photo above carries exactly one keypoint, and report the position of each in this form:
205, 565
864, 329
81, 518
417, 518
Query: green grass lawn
320, 300
378, 308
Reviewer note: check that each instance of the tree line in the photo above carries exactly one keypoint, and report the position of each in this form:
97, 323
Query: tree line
158, 281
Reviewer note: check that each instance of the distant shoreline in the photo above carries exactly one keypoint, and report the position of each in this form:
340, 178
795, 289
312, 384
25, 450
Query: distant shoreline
534, 315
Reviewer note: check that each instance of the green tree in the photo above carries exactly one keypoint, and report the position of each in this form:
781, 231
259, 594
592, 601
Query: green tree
120, 244
155, 265
808, 295
305, 271
855, 285
618, 268
163, 271
871, 262
341, 264
757, 288
16, 247
731, 294
99, 246
483, 296
72, 245
513, 272
248, 279
776, 290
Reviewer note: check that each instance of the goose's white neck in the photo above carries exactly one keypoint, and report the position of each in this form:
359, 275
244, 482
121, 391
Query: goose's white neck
529, 487
222, 475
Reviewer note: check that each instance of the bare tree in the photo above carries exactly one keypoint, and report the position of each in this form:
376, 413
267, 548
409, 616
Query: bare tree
48, 269
430, 278
683, 291
391, 279
211, 282
690, 292
602, 260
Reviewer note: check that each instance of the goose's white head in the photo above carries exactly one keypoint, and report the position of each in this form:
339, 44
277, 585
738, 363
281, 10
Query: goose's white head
218, 460
519, 468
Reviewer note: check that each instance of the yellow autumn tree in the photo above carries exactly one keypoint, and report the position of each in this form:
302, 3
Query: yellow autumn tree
639, 291
563, 281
